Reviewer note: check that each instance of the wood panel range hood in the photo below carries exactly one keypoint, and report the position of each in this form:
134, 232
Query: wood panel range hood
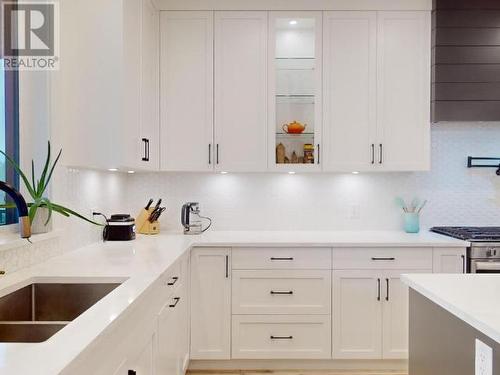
466, 60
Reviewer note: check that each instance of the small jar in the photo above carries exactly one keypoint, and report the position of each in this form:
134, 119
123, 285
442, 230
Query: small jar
308, 153
412, 222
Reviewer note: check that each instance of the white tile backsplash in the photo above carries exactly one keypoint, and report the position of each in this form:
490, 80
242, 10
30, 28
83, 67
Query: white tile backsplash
457, 195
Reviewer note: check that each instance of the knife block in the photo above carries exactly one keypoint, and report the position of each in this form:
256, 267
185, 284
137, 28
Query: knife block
144, 226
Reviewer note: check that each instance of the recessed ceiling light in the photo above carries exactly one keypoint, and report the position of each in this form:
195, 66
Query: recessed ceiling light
112, 169
293, 22
223, 172
130, 172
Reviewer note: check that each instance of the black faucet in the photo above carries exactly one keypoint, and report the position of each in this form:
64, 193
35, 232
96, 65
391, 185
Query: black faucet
22, 208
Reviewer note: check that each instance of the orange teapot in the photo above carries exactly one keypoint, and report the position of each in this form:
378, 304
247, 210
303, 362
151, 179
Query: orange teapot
294, 128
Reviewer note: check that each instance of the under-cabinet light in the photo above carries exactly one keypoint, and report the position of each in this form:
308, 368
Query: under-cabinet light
130, 172
291, 172
223, 172
293, 22
113, 169
355, 172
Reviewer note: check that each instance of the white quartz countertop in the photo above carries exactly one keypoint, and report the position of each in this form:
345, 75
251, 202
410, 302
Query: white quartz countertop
138, 264
473, 298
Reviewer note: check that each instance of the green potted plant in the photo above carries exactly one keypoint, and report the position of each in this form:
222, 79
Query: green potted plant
41, 208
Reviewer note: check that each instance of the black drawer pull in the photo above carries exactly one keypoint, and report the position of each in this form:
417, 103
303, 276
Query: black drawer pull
287, 258
176, 301
380, 259
287, 292
174, 280
132, 372
281, 337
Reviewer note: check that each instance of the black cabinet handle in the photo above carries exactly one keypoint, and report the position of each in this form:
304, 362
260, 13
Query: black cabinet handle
174, 280
387, 286
281, 337
146, 149
176, 301
286, 258
378, 288
288, 292
209, 153
132, 372
217, 153
463, 263
383, 259
373, 153
319, 153
227, 266
381, 156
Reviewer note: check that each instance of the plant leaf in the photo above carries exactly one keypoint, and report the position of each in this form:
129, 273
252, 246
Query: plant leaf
49, 207
20, 172
33, 172
52, 169
74, 213
32, 211
41, 183
60, 211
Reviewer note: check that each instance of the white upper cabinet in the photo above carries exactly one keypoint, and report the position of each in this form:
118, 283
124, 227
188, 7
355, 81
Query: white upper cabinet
350, 53
295, 94
403, 90
104, 106
377, 91
240, 91
149, 155
187, 91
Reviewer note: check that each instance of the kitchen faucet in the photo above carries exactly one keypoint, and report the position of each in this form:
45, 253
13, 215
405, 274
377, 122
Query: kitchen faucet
22, 208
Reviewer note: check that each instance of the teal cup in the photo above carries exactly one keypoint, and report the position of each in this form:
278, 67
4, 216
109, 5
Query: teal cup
412, 222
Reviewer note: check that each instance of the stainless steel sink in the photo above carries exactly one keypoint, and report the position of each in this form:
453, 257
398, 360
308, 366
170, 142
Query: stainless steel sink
37, 311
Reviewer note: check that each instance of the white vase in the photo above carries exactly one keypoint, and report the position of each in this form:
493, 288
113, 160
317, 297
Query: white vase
38, 224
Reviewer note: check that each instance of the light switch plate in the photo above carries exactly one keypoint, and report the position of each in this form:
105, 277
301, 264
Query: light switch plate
484, 359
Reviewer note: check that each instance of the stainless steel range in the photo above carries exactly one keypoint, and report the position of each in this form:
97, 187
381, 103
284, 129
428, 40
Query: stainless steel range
483, 256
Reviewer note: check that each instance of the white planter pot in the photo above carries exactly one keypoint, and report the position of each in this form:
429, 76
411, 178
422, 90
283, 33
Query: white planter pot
38, 224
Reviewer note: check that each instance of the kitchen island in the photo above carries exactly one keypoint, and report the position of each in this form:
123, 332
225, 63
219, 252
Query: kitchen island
448, 314
145, 269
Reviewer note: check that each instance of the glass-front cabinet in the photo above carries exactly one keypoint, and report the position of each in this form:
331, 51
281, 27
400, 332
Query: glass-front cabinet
295, 90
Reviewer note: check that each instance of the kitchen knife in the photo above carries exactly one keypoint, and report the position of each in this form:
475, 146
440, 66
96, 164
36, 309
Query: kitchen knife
149, 204
158, 204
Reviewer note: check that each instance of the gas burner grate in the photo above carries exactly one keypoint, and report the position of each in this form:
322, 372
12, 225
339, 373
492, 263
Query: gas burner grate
470, 233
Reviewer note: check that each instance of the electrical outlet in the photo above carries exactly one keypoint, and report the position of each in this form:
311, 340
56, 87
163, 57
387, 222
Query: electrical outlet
484, 359
354, 212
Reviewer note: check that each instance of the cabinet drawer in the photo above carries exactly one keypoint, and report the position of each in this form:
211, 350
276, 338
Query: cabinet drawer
281, 258
172, 278
281, 292
411, 258
281, 336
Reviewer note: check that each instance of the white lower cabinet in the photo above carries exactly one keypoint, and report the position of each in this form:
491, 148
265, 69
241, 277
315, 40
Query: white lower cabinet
450, 260
357, 314
370, 314
395, 312
281, 292
281, 336
172, 333
211, 303
144, 364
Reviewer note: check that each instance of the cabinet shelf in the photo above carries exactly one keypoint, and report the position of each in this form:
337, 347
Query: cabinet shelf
295, 58
301, 135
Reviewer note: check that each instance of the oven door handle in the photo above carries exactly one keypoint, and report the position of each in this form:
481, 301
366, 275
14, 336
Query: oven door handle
485, 266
